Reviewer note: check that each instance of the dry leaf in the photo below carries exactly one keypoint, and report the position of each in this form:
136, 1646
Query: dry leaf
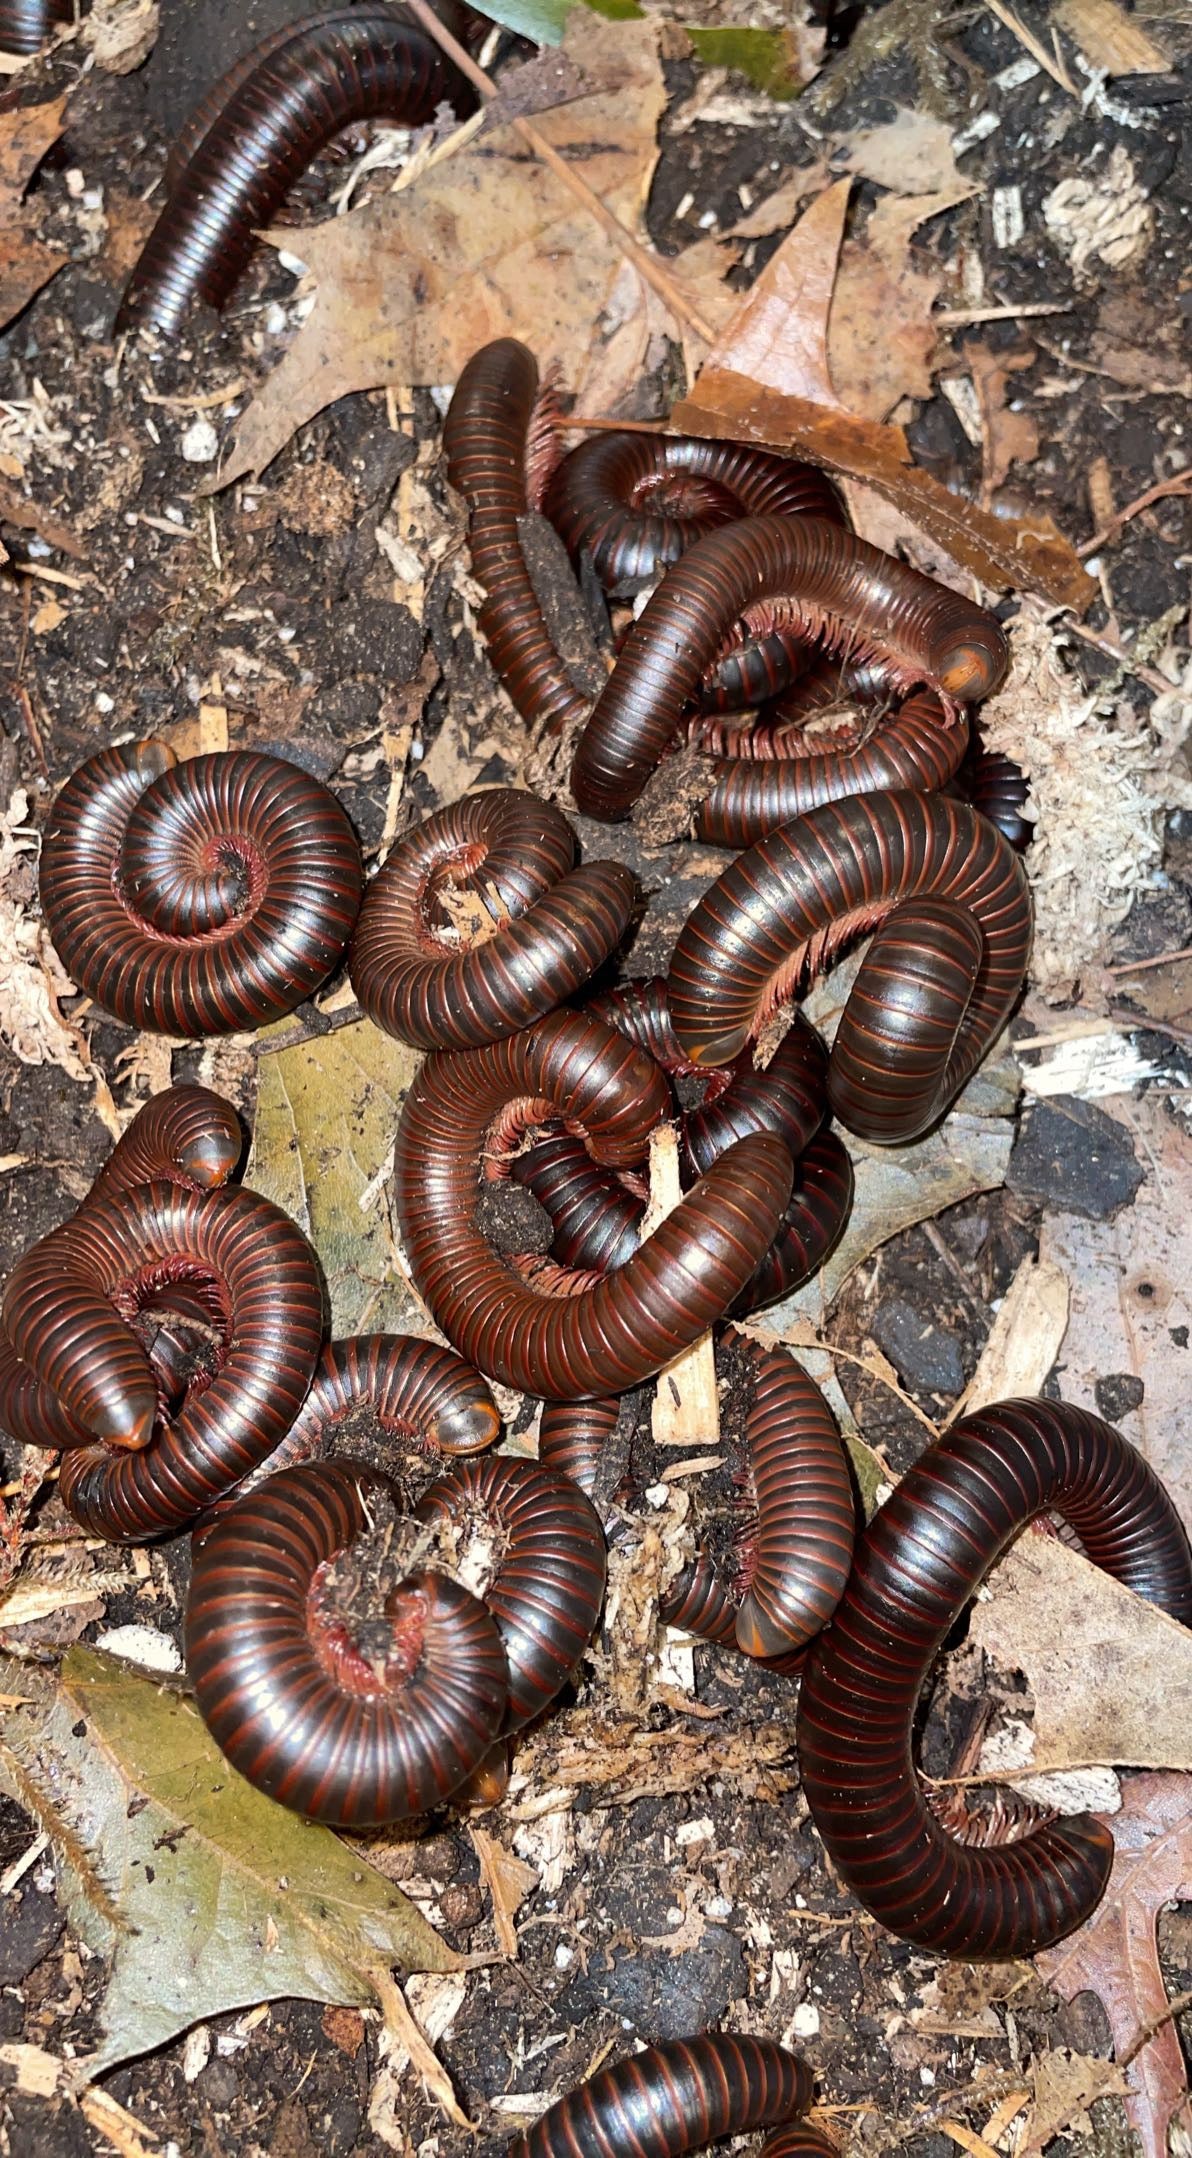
508, 1880
1007, 437
17, 509
1116, 1955
778, 336
912, 154
1001, 552
1111, 1675
1066, 2085
779, 210
1024, 1339
25, 264
1131, 1288
881, 335
486, 243
122, 33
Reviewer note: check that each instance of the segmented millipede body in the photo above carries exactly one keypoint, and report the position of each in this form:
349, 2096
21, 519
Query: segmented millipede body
917, 1564
787, 1097
572, 1436
27, 25
185, 1135
485, 438
916, 747
66, 1311
423, 1396
552, 925
799, 2140
633, 503
274, 117
548, 1582
999, 788
350, 1717
198, 898
799, 1554
936, 985
594, 1214
616, 1332
673, 2098
838, 588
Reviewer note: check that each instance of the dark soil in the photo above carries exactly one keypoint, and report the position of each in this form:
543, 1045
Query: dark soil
278, 593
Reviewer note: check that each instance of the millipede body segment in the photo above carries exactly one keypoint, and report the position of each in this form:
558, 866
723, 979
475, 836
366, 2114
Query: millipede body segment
917, 1564
611, 1335
672, 2098
257, 132
198, 898
550, 925
952, 907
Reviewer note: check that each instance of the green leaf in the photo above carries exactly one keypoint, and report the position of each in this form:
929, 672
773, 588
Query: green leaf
767, 57
617, 10
327, 1113
205, 1895
540, 20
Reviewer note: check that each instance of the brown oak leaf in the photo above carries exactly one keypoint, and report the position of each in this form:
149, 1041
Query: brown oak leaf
1116, 1954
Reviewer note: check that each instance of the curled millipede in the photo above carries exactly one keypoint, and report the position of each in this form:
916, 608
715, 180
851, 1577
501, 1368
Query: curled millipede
633, 503
414, 1390
593, 1212
840, 589
485, 439
917, 1565
27, 25
547, 1585
552, 925
257, 132
198, 898
185, 1135
751, 796
673, 2098
952, 909
611, 1334
787, 1097
343, 1713
66, 1311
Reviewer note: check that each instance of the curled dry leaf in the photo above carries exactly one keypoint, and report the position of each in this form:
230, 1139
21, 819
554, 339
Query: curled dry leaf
1116, 1954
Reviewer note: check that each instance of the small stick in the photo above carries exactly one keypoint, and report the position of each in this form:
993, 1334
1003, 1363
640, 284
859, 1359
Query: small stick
646, 264
1178, 484
1049, 62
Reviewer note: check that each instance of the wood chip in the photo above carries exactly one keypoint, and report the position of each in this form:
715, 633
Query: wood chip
686, 1406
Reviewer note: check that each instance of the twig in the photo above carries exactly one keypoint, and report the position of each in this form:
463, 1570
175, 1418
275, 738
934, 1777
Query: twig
1178, 484
1049, 62
646, 264
1150, 675
1174, 2008
958, 318
1161, 959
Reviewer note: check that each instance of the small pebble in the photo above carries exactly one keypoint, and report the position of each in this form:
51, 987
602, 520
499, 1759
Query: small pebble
200, 443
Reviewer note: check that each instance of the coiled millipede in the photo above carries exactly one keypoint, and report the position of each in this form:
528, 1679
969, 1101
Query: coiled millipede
917, 1564
952, 909
674, 2098
198, 898
414, 967
617, 1331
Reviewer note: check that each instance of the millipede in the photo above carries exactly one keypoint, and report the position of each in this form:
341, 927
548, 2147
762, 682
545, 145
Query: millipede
673, 2098
344, 1712
66, 1310
185, 1135
198, 898
259, 130
841, 590
610, 1334
548, 926
423, 1400
27, 25
951, 907
486, 437
547, 1579
921, 1559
